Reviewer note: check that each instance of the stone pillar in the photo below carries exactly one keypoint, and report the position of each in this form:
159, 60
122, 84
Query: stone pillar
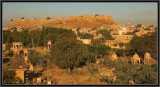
139, 61
30, 67
25, 56
49, 44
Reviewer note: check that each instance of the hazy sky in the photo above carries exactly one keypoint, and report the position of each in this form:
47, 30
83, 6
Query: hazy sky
122, 13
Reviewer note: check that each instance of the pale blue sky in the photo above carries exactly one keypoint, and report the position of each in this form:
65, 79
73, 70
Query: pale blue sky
135, 13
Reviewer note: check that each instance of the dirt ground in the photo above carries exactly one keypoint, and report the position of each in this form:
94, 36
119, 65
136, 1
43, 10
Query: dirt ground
78, 76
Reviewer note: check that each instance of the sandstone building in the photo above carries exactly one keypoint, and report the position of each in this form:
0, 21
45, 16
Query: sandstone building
17, 47
135, 59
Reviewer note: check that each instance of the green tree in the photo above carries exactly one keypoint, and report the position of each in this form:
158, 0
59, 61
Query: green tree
97, 42
8, 75
34, 35
103, 50
92, 49
15, 62
139, 25
48, 33
48, 18
15, 36
121, 44
10, 53
22, 17
24, 38
7, 37
34, 57
106, 34
120, 52
86, 36
144, 43
38, 59
147, 29
11, 20
39, 38
145, 75
68, 54
89, 58
96, 14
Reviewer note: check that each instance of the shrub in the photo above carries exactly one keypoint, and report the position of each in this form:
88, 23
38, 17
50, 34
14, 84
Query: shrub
48, 18
86, 36
140, 74
10, 53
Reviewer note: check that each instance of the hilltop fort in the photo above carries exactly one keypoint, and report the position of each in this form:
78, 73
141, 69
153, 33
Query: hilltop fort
81, 21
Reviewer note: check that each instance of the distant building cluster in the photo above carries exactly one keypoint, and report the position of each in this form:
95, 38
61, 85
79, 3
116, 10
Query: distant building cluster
120, 33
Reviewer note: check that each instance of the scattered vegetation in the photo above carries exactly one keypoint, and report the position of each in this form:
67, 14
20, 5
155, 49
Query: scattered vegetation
68, 53
139, 25
146, 43
48, 18
86, 36
140, 74
147, 29
132, 33
15, 62
40, 38
11, 20
106, 34
10, 53
22, 17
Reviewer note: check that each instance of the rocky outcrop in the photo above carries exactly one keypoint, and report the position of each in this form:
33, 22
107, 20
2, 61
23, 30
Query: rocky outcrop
83, 21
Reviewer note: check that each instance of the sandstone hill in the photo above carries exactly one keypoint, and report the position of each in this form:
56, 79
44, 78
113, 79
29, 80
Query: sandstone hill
82, 21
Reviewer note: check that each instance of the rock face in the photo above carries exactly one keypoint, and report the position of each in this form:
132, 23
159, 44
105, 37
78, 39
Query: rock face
83, 21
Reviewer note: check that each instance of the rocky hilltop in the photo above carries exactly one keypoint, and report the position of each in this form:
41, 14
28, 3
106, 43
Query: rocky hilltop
82, 21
